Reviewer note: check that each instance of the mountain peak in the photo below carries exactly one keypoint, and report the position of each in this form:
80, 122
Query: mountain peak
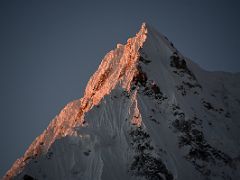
144, 27
117, 68
146, 112
123, 67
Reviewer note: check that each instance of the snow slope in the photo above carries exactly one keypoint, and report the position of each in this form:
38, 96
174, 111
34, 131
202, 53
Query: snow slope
148, 112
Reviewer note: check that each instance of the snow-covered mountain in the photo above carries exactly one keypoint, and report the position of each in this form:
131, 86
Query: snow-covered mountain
148, 112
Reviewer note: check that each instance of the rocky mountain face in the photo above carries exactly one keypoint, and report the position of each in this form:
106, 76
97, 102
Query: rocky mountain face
148, 112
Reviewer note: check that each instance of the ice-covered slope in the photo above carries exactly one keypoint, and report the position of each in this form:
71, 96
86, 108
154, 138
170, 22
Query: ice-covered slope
148, 112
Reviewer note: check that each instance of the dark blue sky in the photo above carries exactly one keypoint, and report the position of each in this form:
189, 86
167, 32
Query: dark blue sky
49, 49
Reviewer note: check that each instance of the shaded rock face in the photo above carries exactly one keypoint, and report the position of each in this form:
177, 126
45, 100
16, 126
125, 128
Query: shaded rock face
147, 113
145, 162
201, 154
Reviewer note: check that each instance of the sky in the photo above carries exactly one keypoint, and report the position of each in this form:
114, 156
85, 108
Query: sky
49, 49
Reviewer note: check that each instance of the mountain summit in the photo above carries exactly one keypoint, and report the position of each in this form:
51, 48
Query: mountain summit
148, 112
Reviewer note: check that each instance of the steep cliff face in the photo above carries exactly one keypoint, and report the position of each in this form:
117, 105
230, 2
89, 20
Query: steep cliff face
148, 112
